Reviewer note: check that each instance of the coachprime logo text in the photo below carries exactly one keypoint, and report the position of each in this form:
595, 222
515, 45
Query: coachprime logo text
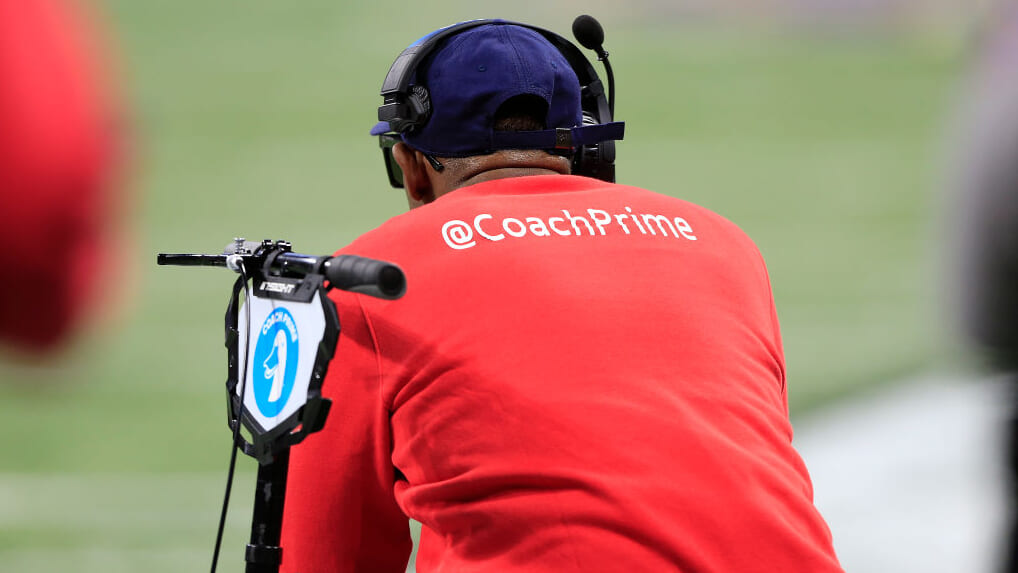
461, 235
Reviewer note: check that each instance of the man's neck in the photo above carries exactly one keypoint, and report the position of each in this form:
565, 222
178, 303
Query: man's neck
506, 173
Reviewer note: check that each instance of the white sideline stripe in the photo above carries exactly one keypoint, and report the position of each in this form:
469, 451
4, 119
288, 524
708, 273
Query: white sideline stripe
909, 478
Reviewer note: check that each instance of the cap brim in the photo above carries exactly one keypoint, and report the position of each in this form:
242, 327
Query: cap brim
380, 128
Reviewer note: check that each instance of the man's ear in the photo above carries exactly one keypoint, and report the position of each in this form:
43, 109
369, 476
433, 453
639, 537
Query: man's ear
416, 183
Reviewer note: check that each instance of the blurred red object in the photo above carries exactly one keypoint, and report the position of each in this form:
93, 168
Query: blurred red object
58, 171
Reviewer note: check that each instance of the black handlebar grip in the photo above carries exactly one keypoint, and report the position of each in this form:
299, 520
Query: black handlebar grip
188, 260
379, 279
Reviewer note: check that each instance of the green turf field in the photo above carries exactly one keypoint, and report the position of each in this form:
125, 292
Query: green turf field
250, 119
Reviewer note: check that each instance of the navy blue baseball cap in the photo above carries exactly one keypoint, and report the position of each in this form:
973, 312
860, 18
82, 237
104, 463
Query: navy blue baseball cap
474, 73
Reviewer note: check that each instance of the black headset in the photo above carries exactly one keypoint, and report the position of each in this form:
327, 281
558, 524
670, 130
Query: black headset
592, 147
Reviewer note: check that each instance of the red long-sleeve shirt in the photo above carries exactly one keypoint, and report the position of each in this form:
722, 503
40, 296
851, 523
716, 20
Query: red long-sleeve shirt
581, 377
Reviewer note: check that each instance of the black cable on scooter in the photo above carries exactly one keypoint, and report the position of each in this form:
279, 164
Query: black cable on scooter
236, 423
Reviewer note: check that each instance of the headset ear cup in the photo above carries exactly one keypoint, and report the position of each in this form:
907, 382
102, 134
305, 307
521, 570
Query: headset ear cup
606, 152
419, 102
597, 161
606, 161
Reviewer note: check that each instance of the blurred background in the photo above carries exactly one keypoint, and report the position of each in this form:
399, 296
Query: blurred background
821, 127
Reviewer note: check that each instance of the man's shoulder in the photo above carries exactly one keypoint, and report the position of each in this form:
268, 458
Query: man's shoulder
692, 210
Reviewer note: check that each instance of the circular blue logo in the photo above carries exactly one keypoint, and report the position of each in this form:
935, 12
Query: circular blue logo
275, 362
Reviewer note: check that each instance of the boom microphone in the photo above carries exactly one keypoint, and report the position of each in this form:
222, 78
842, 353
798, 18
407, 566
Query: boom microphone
590, 35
